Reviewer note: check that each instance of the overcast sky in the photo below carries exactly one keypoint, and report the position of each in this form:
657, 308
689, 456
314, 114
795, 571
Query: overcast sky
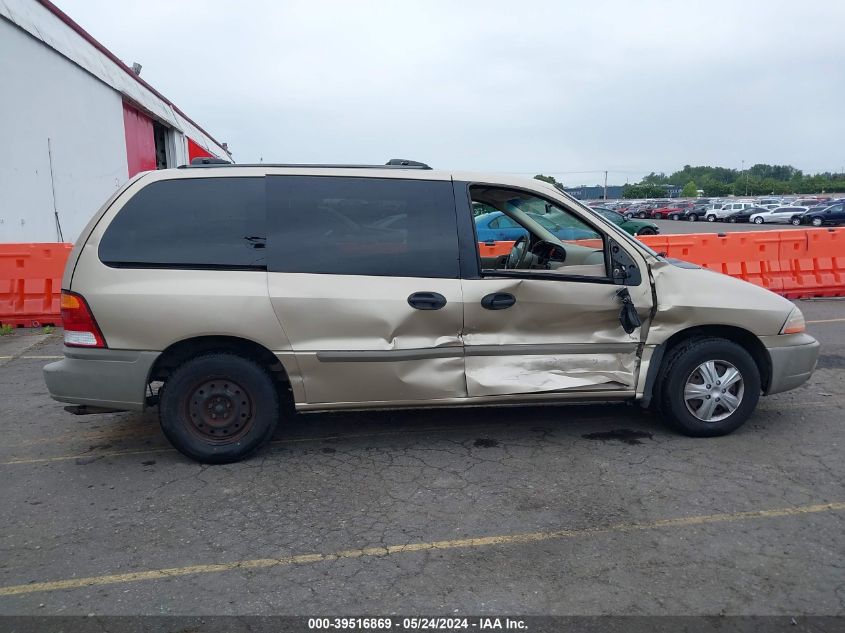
516, 86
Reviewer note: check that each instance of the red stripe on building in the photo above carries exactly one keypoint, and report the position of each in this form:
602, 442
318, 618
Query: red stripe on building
140, 142
196, 151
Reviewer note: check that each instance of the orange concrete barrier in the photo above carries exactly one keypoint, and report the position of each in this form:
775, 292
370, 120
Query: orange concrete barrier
31, 283
494, 249
813, 263
751, 256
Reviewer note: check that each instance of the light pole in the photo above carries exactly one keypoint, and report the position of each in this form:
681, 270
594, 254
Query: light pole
746, 178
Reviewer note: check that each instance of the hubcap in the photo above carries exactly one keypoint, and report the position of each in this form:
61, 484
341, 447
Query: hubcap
714, 390
218, 411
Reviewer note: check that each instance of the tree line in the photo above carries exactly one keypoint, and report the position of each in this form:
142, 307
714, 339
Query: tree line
758, 180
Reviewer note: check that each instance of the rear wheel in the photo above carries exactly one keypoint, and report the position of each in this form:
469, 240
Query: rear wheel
219, 408
709, 387
693, 217
816, 221
675, 216
711, 218
646, 230
796, 221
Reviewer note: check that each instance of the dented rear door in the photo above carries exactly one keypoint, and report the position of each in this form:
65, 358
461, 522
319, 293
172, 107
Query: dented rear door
363, 277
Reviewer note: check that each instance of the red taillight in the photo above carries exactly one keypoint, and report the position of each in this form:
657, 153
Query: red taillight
81, 329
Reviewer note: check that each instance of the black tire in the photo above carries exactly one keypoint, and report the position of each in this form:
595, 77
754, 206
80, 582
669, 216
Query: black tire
641, 215
646, 230
796, 221
693, 217
196, 391
679, 367
732, 220
759, 220
816, 222
711, 218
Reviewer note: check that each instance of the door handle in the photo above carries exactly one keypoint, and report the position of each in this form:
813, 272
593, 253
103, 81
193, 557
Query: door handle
427, 300
498, 301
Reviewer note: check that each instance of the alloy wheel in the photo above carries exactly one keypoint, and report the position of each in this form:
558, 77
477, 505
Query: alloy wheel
714, 390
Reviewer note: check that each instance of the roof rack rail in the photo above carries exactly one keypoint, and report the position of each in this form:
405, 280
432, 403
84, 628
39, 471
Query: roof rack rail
209, 160
393, 163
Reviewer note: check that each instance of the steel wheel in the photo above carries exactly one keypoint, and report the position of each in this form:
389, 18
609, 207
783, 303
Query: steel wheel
714, 390
218, 410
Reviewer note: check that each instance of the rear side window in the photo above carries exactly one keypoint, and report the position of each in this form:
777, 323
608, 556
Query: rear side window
362, 226
196, 222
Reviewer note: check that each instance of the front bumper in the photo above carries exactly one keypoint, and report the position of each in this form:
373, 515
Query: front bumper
116, 379
793, 360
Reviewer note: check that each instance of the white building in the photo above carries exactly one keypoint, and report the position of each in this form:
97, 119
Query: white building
75, 124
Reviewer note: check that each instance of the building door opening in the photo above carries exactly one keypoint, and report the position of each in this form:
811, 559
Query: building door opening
161, 136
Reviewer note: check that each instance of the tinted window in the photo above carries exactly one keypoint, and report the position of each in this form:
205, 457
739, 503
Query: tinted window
362, 226
190, 222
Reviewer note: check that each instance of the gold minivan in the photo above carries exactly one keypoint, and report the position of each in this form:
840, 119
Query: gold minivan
225, 293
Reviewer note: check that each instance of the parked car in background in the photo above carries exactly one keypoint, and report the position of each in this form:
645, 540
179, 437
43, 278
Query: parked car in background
634, 227
810, 202
644, 210
765, 202
497, 227
673, 211
725, 210
781, 215
745, 214
832, 215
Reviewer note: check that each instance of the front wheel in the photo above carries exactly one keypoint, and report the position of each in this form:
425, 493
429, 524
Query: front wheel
796, 221
219, 408
758, 220
709, 387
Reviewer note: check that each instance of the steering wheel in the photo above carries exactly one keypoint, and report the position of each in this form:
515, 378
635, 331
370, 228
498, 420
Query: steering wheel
517, 253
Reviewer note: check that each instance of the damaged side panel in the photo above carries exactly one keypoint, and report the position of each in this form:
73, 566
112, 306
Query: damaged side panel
357, 338
559, 335
691, 296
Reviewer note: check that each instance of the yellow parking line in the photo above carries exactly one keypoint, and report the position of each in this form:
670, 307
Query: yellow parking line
826, 321
389, 550
42, 357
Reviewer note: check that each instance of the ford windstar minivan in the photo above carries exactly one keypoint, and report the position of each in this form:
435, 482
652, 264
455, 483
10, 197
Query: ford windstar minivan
231, 295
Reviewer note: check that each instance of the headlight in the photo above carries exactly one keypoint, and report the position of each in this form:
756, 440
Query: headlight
794, 323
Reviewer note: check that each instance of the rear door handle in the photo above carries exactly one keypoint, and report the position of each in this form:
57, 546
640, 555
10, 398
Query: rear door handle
498, 301
427, 300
